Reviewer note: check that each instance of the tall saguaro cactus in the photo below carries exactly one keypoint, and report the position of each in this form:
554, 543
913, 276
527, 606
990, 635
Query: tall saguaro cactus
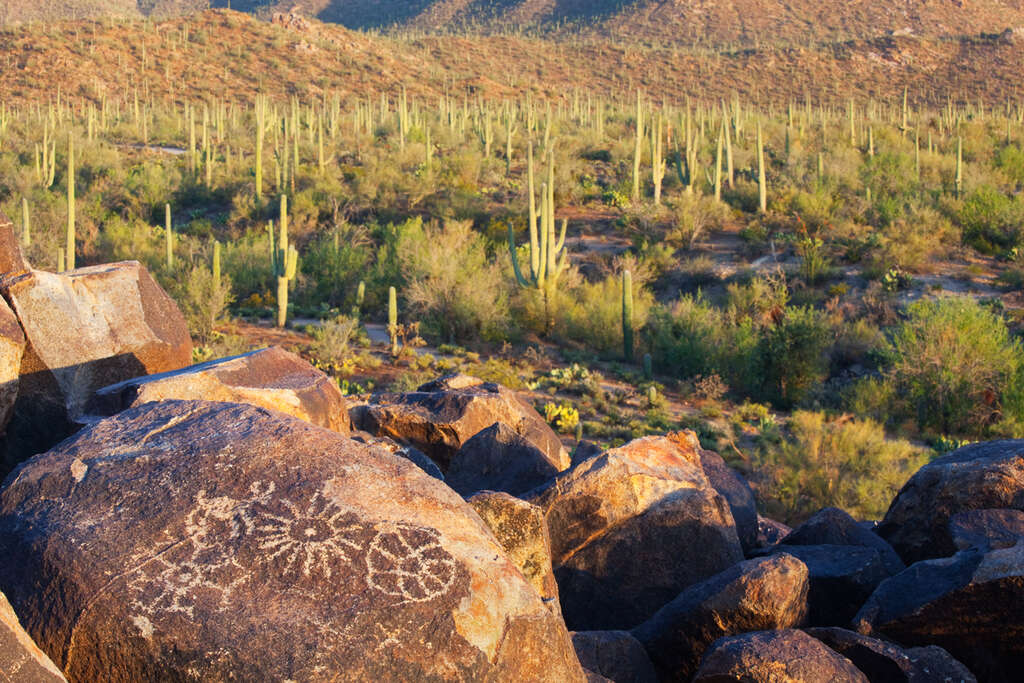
393, 319
762, 183
70, 258
657, 159
639, 146
261, 125
168, 236
285, 262
26, 232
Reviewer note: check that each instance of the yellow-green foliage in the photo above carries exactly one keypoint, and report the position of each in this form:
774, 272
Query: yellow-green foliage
562, 416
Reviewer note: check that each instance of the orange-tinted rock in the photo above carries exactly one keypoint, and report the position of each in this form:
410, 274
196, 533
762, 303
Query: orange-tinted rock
12, 261
774, 657
12, 346
21, 660
217, 541
270, 378
987, 529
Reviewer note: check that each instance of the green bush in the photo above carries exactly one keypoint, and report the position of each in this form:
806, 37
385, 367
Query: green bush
791, 359
990, 220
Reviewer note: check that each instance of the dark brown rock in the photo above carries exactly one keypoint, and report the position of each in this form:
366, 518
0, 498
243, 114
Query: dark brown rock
975, 477
216, 541
12, 346
521, 530
443, 415
832, 526
969, 604
270, 378
21, 660
632, 528
884, 662
615, 654
986, 529
775, 657
756, 595
500, 459
735, 489
12, 261
413, 455
770, 532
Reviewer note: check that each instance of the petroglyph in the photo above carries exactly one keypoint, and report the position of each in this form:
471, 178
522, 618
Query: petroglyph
407, 561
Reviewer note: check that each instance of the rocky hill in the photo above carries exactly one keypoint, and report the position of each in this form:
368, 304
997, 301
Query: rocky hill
14, 12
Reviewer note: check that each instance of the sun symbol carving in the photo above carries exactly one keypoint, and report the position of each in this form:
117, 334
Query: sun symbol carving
408, 562
305, 540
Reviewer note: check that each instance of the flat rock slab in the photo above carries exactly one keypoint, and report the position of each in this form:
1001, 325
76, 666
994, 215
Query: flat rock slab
883, 661
270, 378
773, 657
12, 346
215, 541
21, 660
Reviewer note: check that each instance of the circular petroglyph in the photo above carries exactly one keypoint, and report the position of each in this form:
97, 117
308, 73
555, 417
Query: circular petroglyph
408, 562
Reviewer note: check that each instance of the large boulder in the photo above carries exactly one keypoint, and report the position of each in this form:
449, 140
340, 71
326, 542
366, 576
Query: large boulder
271, 378
21, 660
216, 541
986, 529
736, 491
521, 530
756, 595
614, 654
12, 346
883, 661
832, 526
86, 329
12, 261
970, 604
499, 458
632, 528
975, 477
441, 416
775, 657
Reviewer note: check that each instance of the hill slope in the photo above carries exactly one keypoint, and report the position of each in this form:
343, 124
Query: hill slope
14, 12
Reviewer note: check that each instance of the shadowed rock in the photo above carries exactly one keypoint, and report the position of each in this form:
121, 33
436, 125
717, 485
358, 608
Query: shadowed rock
500, 459
12, 346
975, 477
883, 662
770, 532
735, 489
21, 660
775, 656
216, 541
832, 526
270, 378
633, 527
615, 654
970, 604
755, 595
986, 529
413, 455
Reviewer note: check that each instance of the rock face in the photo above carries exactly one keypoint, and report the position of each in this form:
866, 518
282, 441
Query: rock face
213, 541
500, 459
773, 657
614, 654
12, 262
86, 329
632, 528
883, 661
736, 491
975, 477
443, 415
21, 660
12, 346
770, 532
521, 530
413, 455
986, 529
761, 594
270, 378
832, 526
970, 604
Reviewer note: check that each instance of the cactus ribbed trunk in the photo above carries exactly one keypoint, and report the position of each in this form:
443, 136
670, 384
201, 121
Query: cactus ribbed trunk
70, 259
762, 183
393, 319
26, 231
168, 236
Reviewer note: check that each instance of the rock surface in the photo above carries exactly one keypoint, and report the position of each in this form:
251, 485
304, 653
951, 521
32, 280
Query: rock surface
975, 477
21, 660
614, 654
12, 346
12, 261
413, 455
500, 459
770, 532
270, 378
444, 414
776, 657
86, 329
632, 528
213, 541
986, 529
756, 595
832, 526
735, 489
882, 661
521, 530
970, 604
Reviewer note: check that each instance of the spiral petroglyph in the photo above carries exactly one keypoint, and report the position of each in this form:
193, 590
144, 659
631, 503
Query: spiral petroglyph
408, 562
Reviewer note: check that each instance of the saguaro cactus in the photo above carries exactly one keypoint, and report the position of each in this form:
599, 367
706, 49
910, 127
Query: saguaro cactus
959, 179
627, 315
26, 233
70, 260
168, 236
762, 183
393, 319
657, 159
639, 146
261, 124
286, 259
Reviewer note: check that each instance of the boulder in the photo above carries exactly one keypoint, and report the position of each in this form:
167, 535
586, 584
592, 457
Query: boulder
986, 529
842, 578
21, 660
832, 526
12, 261
12, 346
440, 416
756, 595
86, 329
191, 540
770, 532
270, 378
413, 455
632, 528
522, 532
614, 654
585, 450
883, 661
500, 459
975, 477
775, 657
969, 604
736, 491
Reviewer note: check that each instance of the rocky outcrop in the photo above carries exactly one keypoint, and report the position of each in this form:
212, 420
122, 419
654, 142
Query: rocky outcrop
755, 595
736, 491
12, 261
979, 476
522, 532
270, 378
614, 654
774, 656
883, 661
214, 541
986, 529
86, 329
970, 604
632, 528
21, 660
832, 526
12, 346
500, 459
443, 415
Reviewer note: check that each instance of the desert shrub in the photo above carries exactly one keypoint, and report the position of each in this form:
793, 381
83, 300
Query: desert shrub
332, 339
334, 264
593, 315
203, 301
1011, 160
991, 221
790, 357
692, 217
